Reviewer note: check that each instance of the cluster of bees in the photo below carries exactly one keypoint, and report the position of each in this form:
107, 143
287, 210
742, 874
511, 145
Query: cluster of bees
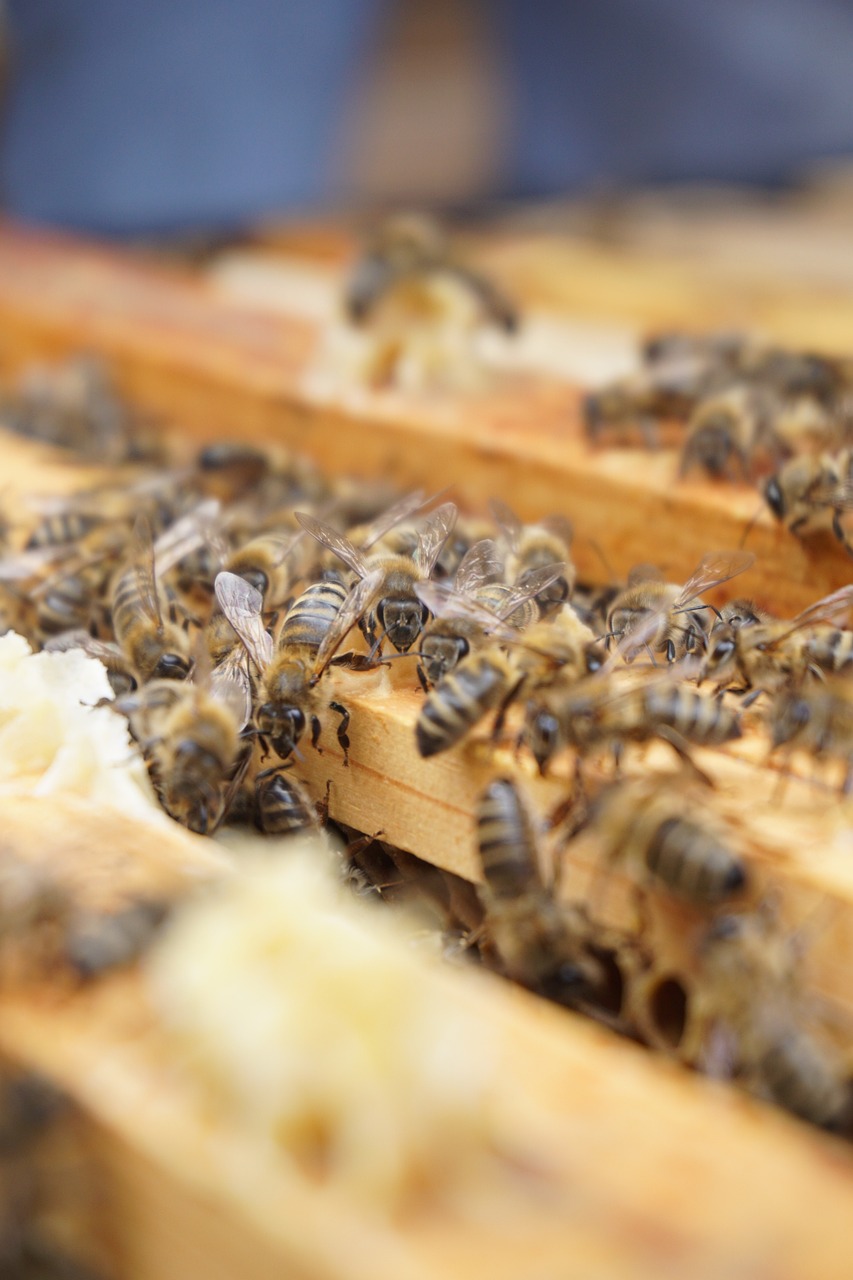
750, 411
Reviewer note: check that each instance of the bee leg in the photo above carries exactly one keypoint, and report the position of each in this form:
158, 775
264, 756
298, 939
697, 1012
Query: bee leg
322, 806
315, 734
751, 697
617, 758
424, 683
341, 730
840, 534
679, 745
500, 718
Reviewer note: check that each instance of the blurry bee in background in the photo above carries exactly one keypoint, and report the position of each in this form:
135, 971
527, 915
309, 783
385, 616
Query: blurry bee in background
750, 1018
395, 610
811, 493
313, 629
531, 547
269, 479
541, 943
477, 604
422, 307
816, 718
728, 432
648, 600
658, 829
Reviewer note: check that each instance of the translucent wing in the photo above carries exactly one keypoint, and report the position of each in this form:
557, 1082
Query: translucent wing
436, 529
507, 521
444, 603
142, 555
560, 526
185, 536
529, 586
80, 639
712, 569
831, 610
230, 685
357, 603
388, 519
644, 573
242, 605
334, 541
480, 566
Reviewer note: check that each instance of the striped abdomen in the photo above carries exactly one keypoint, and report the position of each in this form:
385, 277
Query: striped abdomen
64, 526
693, 863
312, 614
283, 806
459, 701
800, 1076
506, 841
705, 721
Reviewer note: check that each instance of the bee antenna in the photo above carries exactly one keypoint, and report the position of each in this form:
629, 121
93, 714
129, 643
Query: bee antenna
749, 527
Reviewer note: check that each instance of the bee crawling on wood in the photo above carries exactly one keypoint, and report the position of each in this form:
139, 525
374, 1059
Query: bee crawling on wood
530, 548
540, 942
750, 1017
811, 493
667, 618
289, 671
816, 718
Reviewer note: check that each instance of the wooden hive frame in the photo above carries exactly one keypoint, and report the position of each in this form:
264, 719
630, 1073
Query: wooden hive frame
661, 1171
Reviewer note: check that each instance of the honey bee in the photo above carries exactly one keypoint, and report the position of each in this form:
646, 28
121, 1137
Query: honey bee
266, 562
154, 646
191, 737
406, 256
817, 718
771, 653
727, 431
313, 628
647, 599
463, 616
750, 1017
397, 612
532, 547
553, 652
283, 805
646, 825
811, 493
596, 712
540, 942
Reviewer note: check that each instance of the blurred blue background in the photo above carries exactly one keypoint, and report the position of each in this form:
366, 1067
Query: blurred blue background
144, 116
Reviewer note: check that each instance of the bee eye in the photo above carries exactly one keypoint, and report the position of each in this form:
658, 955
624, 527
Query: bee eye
256, 578
172, 666
775, 500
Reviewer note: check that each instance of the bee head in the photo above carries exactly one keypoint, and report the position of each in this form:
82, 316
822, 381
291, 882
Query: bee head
543, 737
441, 654
721, 651
283, 725
402, 619
171, 666
256, 578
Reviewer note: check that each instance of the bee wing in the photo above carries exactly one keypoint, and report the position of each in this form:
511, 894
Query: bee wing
230, 685
560, 526
480, 566
80, 639
712, 569
446, 603
26, 564
832, 609
644, 573
334, 541
185, 536
437, 528
506, 520
357, 603
388, 519
142, 555
242, 605
529, 586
